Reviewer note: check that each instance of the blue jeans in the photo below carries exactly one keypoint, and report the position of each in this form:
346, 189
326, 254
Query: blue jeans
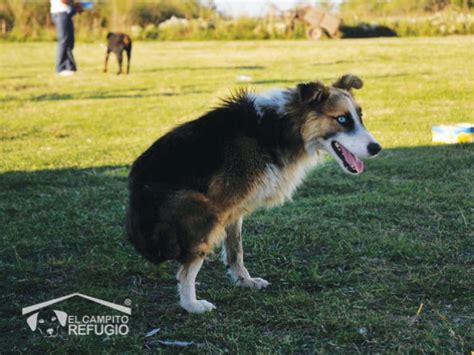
65, 33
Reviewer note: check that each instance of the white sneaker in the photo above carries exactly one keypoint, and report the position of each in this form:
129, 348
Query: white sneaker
67, 73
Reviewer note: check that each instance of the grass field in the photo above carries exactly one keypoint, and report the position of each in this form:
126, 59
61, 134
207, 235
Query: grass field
350, 259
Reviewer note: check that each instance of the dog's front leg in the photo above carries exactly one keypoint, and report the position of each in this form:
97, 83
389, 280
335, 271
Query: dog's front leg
234, 258
129, 55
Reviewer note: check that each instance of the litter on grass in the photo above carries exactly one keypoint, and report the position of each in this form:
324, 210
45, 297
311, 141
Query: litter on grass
416, 317
179, 344
152, 332
243, 78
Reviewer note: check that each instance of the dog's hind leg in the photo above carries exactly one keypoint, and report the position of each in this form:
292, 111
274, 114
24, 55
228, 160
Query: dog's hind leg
198, 229
119, 60
106, 60
234, 258
187, 287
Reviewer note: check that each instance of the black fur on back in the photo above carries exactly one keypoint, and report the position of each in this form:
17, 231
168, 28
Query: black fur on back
118, 42
232, 138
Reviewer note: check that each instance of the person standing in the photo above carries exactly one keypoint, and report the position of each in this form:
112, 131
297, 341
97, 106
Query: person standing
62, 12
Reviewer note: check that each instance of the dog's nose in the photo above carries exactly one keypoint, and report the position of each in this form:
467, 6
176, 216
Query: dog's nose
50, 331
374, 148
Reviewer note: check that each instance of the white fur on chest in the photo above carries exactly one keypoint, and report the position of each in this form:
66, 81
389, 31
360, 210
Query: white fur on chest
278, 184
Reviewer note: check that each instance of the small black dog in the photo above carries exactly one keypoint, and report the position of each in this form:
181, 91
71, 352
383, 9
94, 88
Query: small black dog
117, 43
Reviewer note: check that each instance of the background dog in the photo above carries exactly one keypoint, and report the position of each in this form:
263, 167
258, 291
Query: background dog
118, 43
191, 189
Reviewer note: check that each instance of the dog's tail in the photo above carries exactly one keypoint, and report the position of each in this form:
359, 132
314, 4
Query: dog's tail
152, 238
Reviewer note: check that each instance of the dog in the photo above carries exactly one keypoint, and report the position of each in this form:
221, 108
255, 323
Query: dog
191, 189
47, 324
118, 43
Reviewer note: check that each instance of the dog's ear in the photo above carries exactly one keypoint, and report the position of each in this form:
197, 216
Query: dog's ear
32, 321
348, 81
62, 317
314, 92
110, 34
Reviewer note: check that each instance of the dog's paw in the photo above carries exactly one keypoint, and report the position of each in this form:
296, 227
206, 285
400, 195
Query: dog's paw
200, 306
253, 282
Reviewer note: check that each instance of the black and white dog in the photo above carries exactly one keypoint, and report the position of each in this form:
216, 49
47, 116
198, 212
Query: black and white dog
192, 188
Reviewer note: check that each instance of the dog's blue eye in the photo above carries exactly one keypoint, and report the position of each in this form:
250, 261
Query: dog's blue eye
342, 119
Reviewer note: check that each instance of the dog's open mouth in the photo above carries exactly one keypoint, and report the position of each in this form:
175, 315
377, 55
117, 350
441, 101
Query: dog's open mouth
350, 162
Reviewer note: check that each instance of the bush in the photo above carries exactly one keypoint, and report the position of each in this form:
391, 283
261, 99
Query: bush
439, 24
190, 20
155, 13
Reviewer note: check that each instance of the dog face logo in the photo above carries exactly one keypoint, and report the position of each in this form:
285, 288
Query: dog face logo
47, 323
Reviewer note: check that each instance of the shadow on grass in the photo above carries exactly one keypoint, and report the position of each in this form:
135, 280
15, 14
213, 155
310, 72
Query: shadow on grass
396, 75
53, 191
333, 62
278, 81
398, 232
11, 136
108, 96
236, 67
291, 81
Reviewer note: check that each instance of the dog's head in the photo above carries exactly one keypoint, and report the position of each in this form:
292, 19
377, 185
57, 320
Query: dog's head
332, 120
47, 322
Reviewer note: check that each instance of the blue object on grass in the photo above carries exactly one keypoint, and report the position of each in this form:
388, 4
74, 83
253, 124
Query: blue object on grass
453, 133
460, 128
87, 5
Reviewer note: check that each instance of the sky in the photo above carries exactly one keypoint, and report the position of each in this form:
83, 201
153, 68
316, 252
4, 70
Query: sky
258, 7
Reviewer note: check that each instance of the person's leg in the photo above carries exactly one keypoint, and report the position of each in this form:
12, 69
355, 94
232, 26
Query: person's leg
70, 63
60, 20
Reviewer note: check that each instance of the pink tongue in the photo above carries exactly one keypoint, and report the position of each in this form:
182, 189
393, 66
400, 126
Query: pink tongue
352, 160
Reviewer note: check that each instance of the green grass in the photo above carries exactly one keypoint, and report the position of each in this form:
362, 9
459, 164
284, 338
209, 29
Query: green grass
350, 259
